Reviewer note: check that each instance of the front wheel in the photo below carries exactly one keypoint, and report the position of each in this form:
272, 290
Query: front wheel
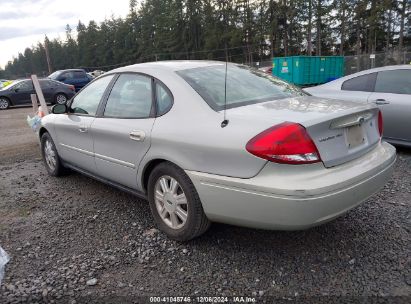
175, 204
50, 157
60, 98
4, 103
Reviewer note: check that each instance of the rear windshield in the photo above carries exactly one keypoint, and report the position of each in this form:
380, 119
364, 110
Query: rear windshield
245, 85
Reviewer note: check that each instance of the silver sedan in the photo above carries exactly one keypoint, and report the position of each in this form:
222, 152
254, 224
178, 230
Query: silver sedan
208, 142
388, 87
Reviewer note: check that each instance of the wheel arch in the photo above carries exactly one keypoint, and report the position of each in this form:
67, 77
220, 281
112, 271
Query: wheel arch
42, 130
148, 168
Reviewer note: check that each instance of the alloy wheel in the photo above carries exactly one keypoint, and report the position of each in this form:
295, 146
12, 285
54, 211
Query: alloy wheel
171, 202
61, 99
4, 103
50, 155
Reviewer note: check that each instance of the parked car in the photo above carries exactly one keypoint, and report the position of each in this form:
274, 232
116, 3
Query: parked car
18, 93
388, 87
275, 159
76, 77
4, 82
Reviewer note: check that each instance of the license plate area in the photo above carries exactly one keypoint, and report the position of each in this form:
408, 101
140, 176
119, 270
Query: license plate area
354, 136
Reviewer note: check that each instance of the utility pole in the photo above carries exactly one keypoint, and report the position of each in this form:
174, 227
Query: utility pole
46, 47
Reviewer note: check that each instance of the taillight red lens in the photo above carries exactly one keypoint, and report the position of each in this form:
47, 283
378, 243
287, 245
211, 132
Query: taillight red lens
380, 123
287, 143
71, 87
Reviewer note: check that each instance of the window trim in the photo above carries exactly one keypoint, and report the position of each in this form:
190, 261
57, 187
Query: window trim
159, 82
370, 86
154, 108
101, 100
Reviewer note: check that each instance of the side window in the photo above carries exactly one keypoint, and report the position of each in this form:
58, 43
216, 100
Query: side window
361, 83
164, 99
26, 85
395, 81
87, 101
131, 97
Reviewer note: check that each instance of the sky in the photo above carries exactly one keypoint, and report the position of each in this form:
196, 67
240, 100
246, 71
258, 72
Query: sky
23, 23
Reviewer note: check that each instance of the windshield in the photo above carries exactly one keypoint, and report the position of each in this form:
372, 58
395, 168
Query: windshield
54, 75
245, 85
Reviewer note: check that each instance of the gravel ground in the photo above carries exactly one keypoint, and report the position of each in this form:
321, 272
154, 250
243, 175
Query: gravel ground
75, 240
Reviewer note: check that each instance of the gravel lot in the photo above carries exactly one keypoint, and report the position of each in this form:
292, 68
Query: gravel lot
75, 240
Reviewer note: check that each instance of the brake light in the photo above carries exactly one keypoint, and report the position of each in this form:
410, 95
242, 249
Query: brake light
287, 143
71, 87
380, 123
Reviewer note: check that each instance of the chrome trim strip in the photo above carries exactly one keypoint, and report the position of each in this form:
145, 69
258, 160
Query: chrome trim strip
103, 157
78, 149
115, 160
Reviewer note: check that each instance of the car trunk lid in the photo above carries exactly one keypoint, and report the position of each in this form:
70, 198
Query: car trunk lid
341, 130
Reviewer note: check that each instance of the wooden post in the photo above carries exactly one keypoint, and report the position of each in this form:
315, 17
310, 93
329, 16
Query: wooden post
34, 102
39, 93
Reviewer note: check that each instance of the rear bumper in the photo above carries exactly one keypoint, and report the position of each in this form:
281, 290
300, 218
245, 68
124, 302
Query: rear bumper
288, 197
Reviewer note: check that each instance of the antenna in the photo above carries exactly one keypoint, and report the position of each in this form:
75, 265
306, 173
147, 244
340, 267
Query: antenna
224, 123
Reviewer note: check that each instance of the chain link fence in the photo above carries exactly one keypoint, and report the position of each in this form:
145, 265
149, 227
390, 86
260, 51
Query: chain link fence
354, 64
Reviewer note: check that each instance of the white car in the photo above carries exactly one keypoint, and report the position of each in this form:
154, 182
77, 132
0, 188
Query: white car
388, 87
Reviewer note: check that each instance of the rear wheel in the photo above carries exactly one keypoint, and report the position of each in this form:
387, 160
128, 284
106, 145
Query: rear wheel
175, 204
50, 156
60, 98
4, 103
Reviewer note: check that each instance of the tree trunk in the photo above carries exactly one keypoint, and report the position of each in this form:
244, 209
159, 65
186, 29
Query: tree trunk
403, 10
318, 48
309, 28
343, 17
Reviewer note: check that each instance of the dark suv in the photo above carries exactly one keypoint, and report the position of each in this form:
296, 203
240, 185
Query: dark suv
76, 77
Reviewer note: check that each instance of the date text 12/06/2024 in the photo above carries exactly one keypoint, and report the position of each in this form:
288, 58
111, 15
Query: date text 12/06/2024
200, 299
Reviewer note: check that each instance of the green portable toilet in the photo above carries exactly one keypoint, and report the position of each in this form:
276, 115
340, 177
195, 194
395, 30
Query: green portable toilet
308, 70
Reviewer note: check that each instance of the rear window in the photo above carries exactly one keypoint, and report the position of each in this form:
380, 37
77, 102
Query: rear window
245, 85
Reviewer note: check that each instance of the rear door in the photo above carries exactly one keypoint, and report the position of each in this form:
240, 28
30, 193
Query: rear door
392, 95
47, 90
122, 133
80, 79
75, 141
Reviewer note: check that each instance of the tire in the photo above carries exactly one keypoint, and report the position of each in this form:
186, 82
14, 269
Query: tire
171, 202
4, 103
60, 98
49, 153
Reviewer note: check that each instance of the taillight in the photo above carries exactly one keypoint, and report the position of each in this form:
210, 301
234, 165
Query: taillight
71, 87
287, 143
380, 123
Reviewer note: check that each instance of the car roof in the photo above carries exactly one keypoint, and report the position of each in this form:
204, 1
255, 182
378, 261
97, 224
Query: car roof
385, 68
169, 65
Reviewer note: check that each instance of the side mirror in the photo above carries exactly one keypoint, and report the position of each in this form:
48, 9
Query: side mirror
59, 109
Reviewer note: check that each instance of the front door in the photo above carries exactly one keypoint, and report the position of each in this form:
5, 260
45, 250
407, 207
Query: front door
122, 134
73, 130
22, 92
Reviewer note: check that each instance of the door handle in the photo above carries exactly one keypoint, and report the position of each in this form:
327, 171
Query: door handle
137, 135
83, 129
381, 101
